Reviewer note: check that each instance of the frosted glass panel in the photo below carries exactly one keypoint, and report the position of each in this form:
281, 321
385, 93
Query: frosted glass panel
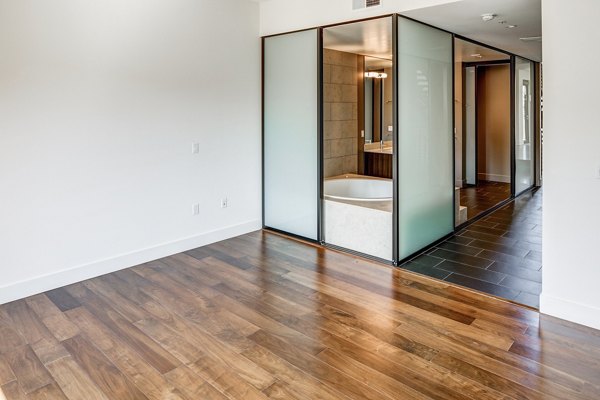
291, 132
425, 161
524, 117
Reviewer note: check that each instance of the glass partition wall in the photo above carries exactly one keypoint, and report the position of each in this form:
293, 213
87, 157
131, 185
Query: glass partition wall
358, 135
291, 133
425, 136
524, 124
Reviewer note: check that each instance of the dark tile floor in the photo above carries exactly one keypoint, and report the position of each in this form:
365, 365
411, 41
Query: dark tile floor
499, 254
484, 196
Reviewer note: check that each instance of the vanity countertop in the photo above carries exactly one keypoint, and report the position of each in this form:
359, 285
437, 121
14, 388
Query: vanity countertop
376, 147
378, 150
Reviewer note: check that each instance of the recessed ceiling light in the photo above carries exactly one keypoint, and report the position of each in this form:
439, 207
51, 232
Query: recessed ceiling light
512, 26
488, 16
476, 55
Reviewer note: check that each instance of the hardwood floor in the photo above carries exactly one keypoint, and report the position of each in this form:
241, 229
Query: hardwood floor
500, 254
264, 316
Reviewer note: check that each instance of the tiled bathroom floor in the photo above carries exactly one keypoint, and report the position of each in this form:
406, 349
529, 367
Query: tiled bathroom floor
484, 196
499, 255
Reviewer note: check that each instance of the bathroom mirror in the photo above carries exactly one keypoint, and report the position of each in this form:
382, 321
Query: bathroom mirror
378, 100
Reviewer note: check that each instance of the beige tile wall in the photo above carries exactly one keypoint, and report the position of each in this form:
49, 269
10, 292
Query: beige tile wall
340, 93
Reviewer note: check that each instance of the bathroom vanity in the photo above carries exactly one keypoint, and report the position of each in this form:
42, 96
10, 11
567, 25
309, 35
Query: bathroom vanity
378, 159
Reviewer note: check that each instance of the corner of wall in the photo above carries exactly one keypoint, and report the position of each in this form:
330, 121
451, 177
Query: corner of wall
43, 283
569, 310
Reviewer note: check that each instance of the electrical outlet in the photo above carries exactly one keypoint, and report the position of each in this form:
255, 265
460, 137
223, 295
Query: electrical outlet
224, 202
195, 209
195, 148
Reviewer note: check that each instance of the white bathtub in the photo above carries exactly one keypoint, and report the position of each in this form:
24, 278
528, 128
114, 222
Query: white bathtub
358, 214
358, 189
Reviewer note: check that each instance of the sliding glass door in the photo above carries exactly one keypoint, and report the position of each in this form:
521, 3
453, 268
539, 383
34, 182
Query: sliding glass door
524, 124
291, 130
425, 206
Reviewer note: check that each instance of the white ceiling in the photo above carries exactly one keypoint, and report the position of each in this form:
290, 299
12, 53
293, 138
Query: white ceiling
370, 38
376, 64
374, 37
464, 18
465, 51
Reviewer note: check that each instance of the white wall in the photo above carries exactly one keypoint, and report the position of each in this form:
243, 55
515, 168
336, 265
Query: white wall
277, 16
571, 275
100, 102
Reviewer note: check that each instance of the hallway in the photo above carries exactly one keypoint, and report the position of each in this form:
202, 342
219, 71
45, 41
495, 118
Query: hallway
499, 254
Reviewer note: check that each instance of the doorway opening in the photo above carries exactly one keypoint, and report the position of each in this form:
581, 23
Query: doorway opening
482, 129
358, 134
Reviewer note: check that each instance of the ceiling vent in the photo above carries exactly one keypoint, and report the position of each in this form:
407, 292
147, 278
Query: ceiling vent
362, 4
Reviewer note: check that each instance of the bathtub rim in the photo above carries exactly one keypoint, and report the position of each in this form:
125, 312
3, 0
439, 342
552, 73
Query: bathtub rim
357, 199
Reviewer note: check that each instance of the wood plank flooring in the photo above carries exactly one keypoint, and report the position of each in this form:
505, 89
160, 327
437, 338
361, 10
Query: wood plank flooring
500, 254
264, 316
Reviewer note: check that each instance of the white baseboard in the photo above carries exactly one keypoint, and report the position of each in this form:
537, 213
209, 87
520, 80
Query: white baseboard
43, 283
571, 311
494, 177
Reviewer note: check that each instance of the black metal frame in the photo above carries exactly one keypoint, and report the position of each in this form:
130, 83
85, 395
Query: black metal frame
320, 138
453, 135
381, 109
463, 165
262, 128
395, 144
475, 105
534, 100
486, 63
513, 161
